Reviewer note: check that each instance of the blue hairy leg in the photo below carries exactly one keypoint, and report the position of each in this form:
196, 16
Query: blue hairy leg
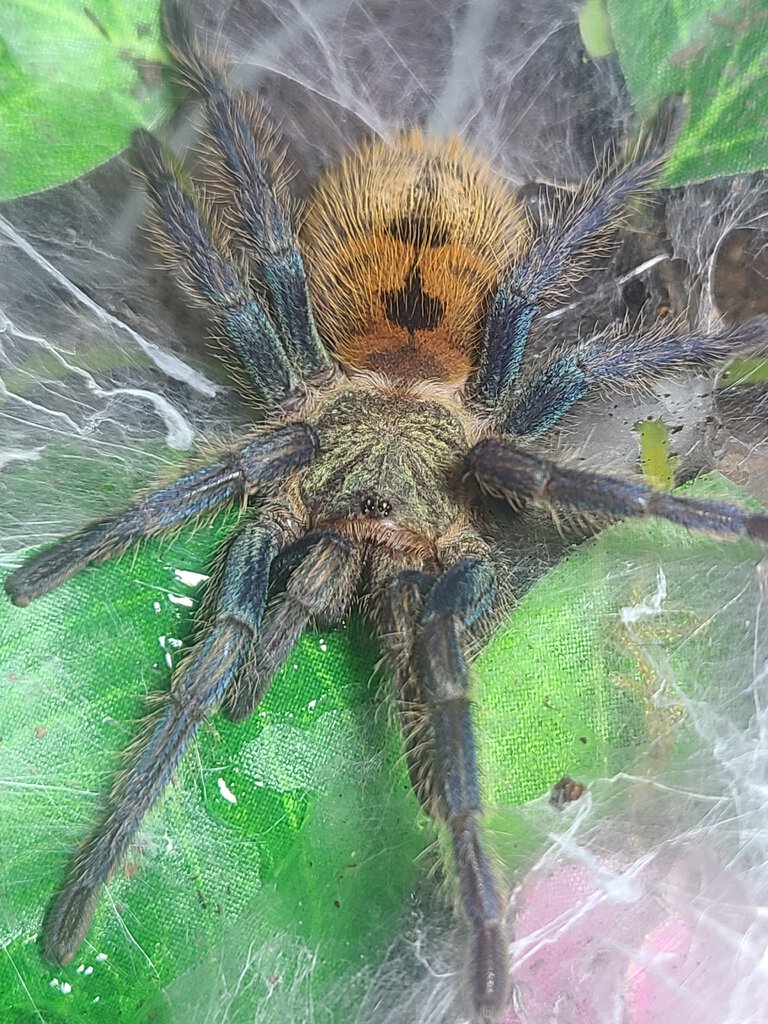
621, 359
323, 584
551, 259
203, 678
260, 211
456, 600
207, 270
503, 469
269, 457
398, 612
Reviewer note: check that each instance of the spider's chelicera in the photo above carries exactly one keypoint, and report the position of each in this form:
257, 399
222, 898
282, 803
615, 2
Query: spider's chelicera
388, 336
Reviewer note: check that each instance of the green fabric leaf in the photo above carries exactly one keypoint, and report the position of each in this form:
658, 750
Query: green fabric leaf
278, 870
75, 79
714, 53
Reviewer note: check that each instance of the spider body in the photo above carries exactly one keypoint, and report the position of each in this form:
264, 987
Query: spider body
405, 243
387, 471
389, 338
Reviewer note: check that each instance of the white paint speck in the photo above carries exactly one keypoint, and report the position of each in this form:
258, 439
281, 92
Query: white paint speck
157, 606
168, 843
323, 646
226, 792
169, 643
259, 783
312, 705
190, 579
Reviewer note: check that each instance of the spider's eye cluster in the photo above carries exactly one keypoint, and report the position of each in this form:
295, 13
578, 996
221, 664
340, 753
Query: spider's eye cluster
375, 508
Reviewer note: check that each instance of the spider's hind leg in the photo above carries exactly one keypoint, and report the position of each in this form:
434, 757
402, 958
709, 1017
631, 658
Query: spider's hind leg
259, 208
561, 253
198, 687
193, 243
618, 359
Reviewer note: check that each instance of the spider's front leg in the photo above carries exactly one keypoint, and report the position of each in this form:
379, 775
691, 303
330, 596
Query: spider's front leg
271, 456
204, 676
234, 662
399, 612
456, 599
321, 586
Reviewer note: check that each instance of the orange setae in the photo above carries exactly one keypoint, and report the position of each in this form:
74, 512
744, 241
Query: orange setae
405, 242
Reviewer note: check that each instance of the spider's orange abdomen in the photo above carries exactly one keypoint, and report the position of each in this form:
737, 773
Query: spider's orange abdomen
404, 244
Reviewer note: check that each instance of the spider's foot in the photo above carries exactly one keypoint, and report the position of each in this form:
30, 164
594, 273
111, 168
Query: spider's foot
490, 973
68, 921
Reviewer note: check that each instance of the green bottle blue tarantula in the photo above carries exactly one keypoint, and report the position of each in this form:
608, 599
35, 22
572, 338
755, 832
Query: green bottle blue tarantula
388, 335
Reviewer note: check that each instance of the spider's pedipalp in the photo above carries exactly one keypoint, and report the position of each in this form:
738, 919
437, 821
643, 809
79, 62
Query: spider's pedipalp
323, 584
399, 608
622, 359
204, 676
271, 456
459, 597
504, 469
259, 211
210, 274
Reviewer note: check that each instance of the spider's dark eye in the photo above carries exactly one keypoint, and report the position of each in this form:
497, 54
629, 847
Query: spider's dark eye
375, 508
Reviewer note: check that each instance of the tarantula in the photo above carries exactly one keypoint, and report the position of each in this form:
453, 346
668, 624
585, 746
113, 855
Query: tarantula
388, 336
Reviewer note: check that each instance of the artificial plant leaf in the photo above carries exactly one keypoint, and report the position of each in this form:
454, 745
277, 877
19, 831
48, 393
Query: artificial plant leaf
714, 53
75, 79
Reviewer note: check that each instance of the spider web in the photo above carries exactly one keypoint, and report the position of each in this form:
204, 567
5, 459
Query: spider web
288, 875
